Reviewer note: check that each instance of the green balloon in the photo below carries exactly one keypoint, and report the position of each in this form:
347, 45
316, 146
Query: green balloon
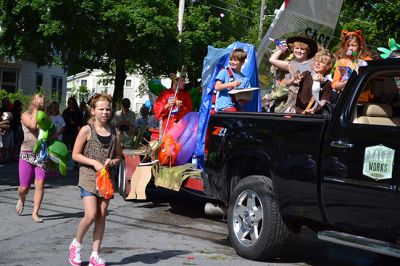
195, 93
155, 87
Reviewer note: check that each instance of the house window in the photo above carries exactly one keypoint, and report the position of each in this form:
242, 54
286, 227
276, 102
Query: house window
8, 80
39, 81
56, 88
84, 82
128, 83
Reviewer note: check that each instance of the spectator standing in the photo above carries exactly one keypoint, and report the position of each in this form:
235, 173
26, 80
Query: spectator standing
143, 120
85, 112
7, 153
124, 120
73, 122
5, 121
58, 120
17, 127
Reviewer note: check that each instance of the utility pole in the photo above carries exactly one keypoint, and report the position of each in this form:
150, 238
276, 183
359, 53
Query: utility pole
180, 18
260, 29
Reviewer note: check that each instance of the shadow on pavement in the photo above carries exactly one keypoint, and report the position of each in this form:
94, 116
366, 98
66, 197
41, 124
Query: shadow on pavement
306, 247
63, 215
150, 258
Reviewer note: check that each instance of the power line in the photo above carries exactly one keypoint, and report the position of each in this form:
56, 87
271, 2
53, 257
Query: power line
232, 11
245, 9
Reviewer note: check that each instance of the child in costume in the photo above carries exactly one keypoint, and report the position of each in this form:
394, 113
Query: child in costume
352, 54
315, 88
303, 49
178, 105
275, 101
228, 79
98, 145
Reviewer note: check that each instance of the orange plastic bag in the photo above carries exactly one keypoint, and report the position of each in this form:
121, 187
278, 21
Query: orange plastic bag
104, 184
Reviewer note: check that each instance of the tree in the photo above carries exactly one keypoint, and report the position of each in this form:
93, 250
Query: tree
201, 28
377, 19
111, 35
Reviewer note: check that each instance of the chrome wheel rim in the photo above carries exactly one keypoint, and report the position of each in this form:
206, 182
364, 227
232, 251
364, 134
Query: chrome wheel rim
248, 218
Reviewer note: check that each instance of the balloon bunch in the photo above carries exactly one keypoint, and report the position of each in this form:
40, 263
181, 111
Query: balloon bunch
179, 142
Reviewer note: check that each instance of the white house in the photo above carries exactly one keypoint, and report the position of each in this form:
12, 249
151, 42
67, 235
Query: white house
97, 81
25, 75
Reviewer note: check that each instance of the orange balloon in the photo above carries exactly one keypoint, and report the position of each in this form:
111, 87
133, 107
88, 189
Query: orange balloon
169, 150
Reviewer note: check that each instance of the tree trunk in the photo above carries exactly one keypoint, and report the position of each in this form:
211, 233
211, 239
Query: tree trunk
120, 76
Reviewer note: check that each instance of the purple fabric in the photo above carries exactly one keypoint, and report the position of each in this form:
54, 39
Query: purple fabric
26, 171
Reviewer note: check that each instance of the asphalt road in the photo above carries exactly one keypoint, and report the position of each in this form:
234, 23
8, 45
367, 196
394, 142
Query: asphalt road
141, 233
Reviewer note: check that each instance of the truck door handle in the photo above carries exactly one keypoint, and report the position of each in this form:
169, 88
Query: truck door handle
341, 144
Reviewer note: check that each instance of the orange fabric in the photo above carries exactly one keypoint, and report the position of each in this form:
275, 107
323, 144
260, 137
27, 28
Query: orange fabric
337, 76
104, 184
365, 97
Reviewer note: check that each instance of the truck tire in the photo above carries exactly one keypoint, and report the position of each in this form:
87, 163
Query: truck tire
122, 180
256, 228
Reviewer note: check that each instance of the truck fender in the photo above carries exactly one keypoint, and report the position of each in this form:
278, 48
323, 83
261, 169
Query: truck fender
251, 163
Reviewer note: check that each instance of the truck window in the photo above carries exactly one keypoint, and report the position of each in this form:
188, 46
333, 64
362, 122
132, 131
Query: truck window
378, 102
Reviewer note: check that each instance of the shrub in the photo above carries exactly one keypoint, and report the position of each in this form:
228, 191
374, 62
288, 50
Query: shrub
19, 95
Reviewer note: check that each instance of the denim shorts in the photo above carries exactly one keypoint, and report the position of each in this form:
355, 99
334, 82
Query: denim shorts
85, 193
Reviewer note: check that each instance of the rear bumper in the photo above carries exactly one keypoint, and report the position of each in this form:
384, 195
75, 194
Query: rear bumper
198, 186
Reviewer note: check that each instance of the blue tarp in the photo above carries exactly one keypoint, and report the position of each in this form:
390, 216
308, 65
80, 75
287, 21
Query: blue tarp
215, 60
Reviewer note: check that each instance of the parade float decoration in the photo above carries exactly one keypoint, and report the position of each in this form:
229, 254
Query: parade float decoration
46, 147
393, 46
217, 59
155, 86
179, 142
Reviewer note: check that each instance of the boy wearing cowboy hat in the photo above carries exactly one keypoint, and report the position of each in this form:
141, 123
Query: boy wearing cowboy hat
303, 49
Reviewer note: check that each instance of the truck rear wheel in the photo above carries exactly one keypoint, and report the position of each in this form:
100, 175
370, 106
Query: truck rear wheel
122, 179
256, 228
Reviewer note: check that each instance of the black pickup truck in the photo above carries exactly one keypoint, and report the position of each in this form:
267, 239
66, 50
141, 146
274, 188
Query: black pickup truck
337, 173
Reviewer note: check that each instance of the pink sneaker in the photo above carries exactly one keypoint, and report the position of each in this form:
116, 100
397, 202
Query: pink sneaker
75, 254
96, 261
